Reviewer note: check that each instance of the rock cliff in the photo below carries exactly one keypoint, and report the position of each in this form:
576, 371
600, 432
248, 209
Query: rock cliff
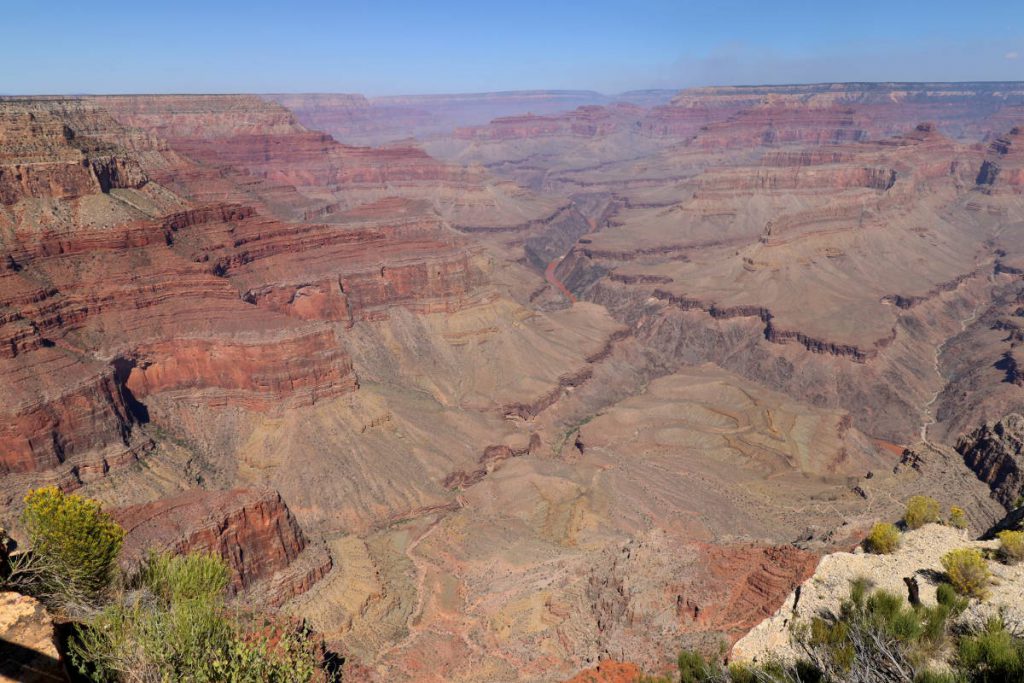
251, 529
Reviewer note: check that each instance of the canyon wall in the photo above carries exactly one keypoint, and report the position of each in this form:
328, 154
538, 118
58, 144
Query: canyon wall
594, 379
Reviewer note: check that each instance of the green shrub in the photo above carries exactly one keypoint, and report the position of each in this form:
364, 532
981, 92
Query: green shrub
921, 510
993, 655
174, 624
947, 597
73, 549
876, 637
177, 578
957, 518
967, 571
883, 539
693, 668
1011, 546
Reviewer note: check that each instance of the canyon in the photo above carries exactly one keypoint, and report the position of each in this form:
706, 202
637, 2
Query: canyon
508, 386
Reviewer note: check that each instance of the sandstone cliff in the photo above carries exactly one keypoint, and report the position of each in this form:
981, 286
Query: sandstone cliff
252, 530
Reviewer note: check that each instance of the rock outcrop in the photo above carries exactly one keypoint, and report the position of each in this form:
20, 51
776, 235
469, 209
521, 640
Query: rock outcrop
919, 557
251, 529
609, 671
995, 452
28, 651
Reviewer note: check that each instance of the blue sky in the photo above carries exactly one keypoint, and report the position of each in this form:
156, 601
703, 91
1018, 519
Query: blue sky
394, 46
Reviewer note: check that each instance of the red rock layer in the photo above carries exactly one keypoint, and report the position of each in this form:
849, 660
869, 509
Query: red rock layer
252, 530
757, 115
962, 109
95, 293
263, 139
609, 671
355, 118
786, 122
759, 579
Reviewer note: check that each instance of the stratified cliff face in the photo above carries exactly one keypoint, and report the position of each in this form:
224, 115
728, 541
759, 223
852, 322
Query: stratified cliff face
732, 251
1002, 171
962, 109
100, 301
585, 122
994, 452
727, 591
252, 530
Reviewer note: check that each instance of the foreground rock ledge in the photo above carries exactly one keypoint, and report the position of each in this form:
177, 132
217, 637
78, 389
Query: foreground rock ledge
919, 556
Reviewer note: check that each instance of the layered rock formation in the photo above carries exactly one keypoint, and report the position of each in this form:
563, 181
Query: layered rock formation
571, 385
252, 530
993, 452
101, 302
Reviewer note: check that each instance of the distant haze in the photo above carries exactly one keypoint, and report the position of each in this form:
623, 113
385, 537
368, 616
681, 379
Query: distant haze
404, 47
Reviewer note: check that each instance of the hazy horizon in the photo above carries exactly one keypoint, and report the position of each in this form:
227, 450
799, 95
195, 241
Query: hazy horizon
461, 47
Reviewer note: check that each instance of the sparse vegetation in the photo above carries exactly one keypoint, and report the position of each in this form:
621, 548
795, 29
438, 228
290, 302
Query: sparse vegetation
967, 571
993, 655
877, 637
883, 539
171, 621
921, 510
73, 551
174, 624
957, 518
947, 596
1011, 546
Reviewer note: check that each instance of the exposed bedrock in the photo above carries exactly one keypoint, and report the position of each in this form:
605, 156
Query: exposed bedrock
710, 594
880, 384
983, 363
1002, 172
259, 376
995, 452
251, 529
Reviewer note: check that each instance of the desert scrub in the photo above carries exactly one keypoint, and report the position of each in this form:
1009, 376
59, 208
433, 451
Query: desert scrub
921, 510
883, 539
992, 655
947, 596
73, 549
173, 623
957, 518
875, 636
1011, 546
967, 571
